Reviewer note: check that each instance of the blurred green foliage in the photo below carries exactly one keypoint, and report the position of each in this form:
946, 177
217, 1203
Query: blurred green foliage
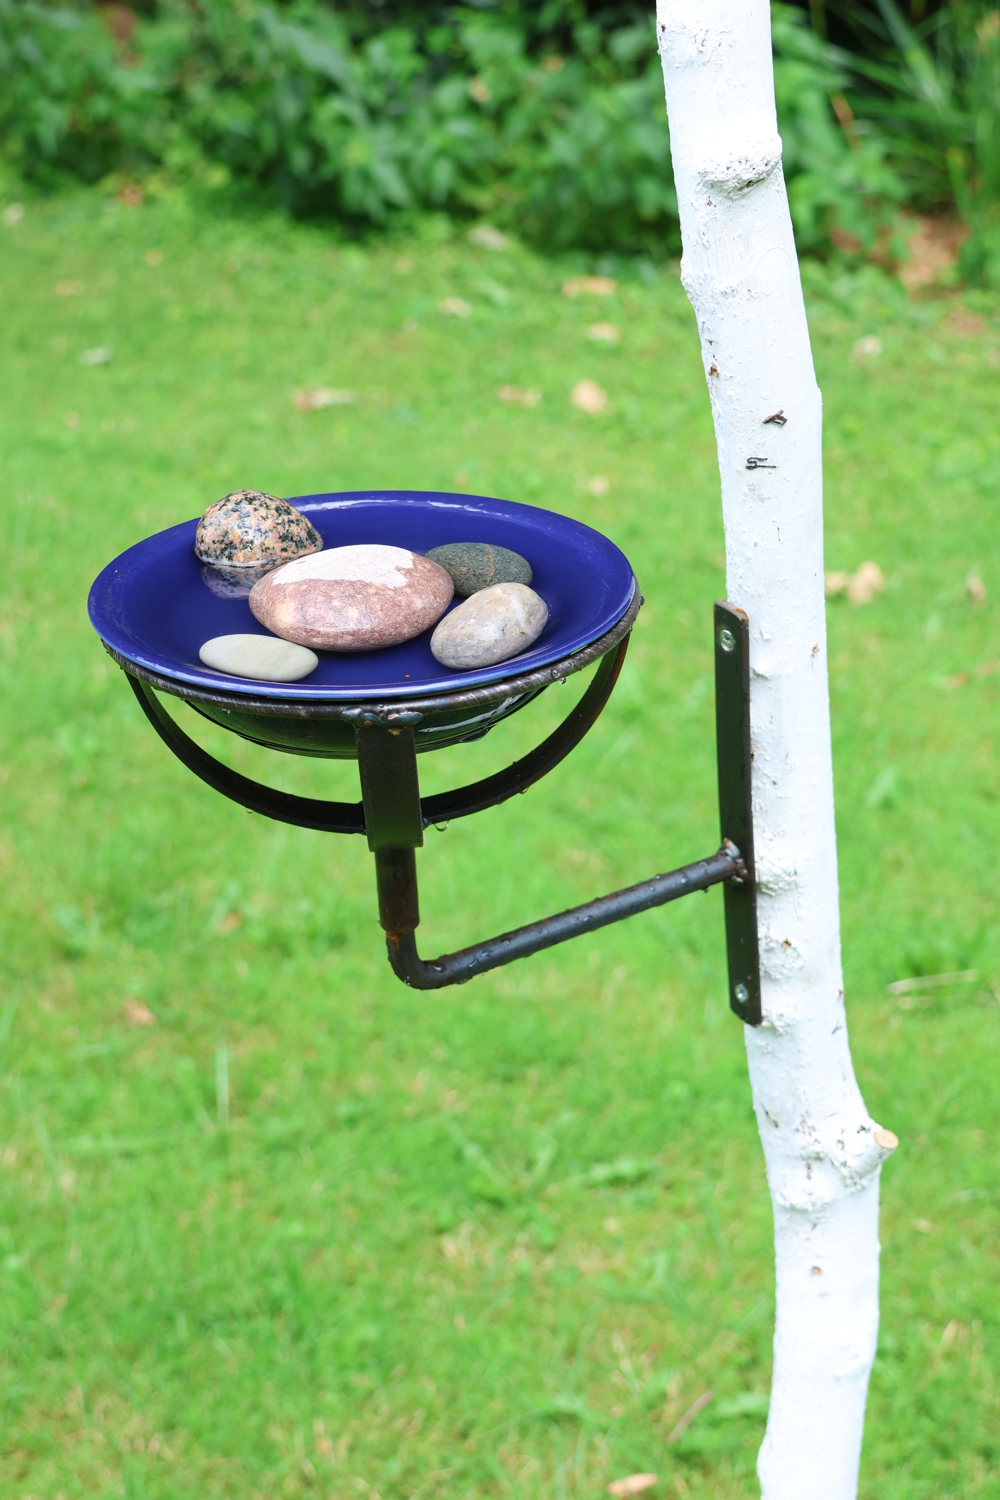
547, 119
471, 111
839, 181
339, 119
931, 90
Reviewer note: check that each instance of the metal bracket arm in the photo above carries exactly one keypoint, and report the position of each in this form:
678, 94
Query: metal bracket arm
396, 873
387, 762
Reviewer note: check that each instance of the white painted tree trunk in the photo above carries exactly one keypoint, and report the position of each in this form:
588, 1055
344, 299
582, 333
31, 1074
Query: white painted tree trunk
823, 1151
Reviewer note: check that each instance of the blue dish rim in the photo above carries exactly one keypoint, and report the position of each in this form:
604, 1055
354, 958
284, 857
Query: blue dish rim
622, 590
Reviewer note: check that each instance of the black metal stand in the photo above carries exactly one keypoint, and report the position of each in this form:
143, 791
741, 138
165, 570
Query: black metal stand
393, 817
388, 765
360, 817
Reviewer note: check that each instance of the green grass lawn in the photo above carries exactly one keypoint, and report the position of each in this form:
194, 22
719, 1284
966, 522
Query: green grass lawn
311, 1233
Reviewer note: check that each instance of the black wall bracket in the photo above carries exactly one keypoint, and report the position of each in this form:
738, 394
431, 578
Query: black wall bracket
387, 761
735, 756
393, 816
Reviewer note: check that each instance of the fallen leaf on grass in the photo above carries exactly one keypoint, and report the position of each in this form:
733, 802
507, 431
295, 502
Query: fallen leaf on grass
975, 588
963, 323
315, 397
849, 243
137, 1014
68, 288
962, 679
498, 295
599, 485
589, 397
632, 1484
597, 286
868, 581
933, 250
749, 1403
870, 347
13, 213
119, 21
604, 333
518, 396
96, 356
488, 238
931, 982
860, 587
131, 195
882, 789
689, 1416
456, 307
924, 1226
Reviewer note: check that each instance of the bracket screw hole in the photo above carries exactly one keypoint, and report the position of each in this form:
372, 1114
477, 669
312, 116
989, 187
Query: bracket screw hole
742, 993
727, 640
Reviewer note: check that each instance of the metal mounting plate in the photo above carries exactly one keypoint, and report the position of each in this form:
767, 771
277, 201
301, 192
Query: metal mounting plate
732, 722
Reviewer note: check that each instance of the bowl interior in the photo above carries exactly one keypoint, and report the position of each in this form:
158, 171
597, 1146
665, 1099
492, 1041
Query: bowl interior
154, 606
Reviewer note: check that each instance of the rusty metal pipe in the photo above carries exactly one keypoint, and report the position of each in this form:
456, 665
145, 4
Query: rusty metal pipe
396, 879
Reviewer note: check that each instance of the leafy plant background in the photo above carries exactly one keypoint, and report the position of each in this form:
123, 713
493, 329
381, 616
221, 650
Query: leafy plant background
547, 119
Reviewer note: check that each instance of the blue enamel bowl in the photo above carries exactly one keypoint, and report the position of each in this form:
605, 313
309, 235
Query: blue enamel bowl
156, 604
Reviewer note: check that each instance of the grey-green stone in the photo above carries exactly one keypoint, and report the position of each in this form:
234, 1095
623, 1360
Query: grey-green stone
479, 565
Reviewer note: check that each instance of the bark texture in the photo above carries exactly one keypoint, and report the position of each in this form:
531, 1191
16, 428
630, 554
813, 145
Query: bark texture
822, 1149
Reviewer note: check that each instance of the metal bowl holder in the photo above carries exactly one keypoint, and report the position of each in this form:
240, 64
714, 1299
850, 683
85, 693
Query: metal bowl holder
393, 815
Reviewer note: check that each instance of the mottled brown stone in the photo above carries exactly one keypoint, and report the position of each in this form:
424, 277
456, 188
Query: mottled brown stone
353, 598
248, 528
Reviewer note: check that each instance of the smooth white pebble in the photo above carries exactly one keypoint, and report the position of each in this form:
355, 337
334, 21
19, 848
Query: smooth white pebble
262, 657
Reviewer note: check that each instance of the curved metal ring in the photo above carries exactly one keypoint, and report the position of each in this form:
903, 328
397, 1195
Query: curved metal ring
348, 817
392, 711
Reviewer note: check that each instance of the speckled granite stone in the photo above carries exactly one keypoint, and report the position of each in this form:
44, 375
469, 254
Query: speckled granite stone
479, 565
353, 598
248, 528
262, 657
491, 626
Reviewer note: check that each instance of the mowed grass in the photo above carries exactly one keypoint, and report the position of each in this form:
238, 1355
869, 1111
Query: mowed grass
309, 1233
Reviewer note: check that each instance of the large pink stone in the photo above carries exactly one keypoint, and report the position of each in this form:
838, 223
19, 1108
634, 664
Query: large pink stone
353, 598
